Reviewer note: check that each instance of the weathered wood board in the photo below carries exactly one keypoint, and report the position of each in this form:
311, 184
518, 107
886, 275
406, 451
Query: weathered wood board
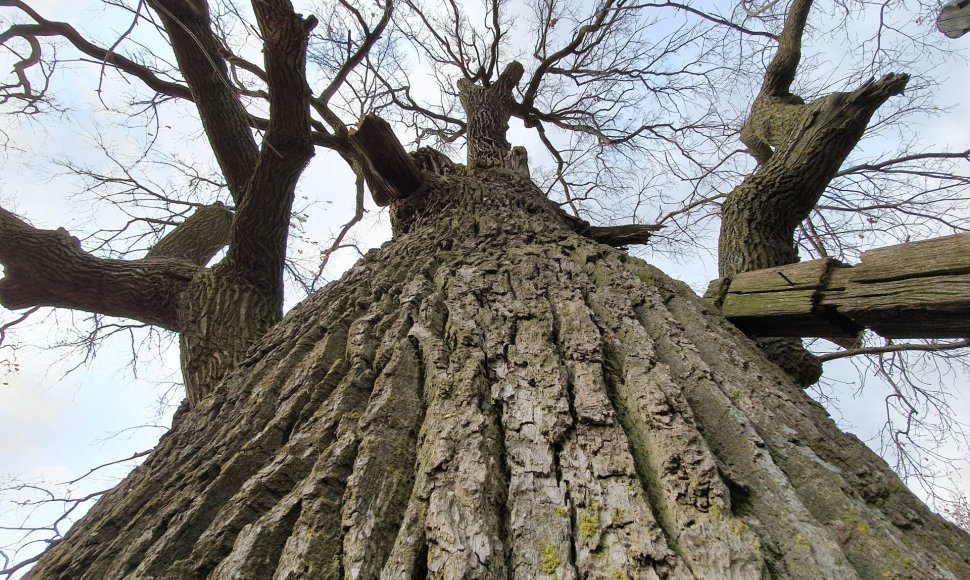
915, 290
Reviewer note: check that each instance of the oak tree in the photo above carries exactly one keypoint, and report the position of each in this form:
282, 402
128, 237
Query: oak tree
500, 390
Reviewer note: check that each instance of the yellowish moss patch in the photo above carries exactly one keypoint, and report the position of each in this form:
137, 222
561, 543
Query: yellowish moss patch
856, 523
550, 558
589, 520
715, 510
737, 527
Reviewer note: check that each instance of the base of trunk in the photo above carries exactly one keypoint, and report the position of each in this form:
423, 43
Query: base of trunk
492, 396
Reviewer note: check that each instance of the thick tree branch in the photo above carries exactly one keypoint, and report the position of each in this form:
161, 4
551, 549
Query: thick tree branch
782, 68
49, 268
488, 111
225, 120
619, 236
761, 214
799, 148
198, 238
776, 112
257, 247
623, 235
388, 169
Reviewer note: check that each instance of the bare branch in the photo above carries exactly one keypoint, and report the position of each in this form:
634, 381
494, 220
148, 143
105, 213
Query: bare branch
108, 464
360, 54
48, 268
44, 27
721, 21
896, 347
624, 235
6, 327
338, 241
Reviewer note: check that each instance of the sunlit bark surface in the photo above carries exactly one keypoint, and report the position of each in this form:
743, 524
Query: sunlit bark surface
493, 396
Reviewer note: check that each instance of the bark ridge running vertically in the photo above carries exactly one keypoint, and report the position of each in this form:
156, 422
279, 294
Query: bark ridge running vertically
491, 395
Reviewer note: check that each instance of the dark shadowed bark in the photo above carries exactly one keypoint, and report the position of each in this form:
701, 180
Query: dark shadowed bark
199, 238
491, 395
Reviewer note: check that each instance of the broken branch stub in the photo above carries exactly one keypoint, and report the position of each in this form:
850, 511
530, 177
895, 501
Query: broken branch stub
389, 171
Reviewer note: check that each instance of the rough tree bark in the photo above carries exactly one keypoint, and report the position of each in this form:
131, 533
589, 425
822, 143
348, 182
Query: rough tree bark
492, 395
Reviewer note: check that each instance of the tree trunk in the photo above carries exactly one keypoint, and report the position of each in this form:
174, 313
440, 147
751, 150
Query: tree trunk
220, 317
491, 395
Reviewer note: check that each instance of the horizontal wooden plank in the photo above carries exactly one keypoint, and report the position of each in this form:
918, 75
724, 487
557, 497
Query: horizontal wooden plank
768, 304
927, 307
839, 277
946, 255
915, 290
790, 313
803, 275
931, 293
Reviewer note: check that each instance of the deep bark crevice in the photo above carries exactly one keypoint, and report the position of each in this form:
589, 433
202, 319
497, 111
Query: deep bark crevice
806, 444
769, 503
556, 311
506, 472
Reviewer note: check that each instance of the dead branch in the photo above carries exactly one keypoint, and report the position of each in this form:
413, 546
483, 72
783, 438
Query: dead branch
390, 171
